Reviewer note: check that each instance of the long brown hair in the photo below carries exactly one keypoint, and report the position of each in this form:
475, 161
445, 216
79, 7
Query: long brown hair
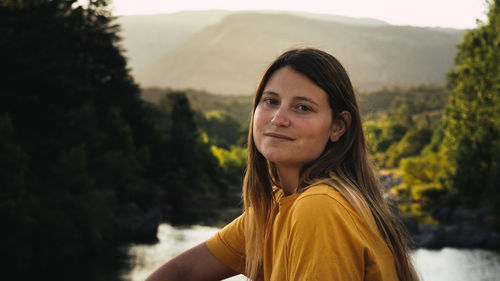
344, 165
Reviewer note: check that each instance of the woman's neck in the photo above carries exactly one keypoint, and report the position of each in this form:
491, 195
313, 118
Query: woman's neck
289, 179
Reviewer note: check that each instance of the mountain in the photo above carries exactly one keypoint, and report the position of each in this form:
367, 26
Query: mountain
147, 37
228, 56
336, 18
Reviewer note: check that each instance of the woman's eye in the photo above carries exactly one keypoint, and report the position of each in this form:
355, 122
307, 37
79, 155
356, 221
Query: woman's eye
270, 101
302, 107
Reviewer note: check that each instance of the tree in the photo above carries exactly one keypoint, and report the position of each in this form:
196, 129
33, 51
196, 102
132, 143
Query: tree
222, 129
472, 117
411, 144
73, 133
194, 187
13, 162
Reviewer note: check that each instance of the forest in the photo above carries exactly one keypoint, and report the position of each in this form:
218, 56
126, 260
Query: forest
82, 146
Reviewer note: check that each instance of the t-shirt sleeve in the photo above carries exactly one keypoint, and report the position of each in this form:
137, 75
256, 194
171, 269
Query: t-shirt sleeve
324, 241
228, 245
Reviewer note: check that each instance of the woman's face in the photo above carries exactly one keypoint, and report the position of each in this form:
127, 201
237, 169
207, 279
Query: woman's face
293, 121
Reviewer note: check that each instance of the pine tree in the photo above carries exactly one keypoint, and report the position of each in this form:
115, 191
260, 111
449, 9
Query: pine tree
76, 138
194, 174
472, 117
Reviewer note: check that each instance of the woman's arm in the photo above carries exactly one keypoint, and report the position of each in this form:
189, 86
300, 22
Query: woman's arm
197, 263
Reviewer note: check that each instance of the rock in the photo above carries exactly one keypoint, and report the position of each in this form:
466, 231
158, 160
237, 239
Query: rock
430, 237
460, 228
492, 241
411, 224
464, 236
135, 225
443, 215
462, 215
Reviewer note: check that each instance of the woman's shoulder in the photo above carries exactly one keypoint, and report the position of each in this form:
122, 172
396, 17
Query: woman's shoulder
322, 194
325, 203
324, 209
322, 199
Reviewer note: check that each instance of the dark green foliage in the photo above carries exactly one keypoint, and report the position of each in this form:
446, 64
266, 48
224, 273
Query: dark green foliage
411, 144
77, 142
436, 140
381, 135
416, 100
233, 164
222, 129
237, 107
193, 173
472, 118
460, 165
400, 122
224, 119
222, 125
13, 162
70, 136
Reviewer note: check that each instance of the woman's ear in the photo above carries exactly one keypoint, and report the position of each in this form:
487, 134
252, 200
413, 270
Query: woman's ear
339, 127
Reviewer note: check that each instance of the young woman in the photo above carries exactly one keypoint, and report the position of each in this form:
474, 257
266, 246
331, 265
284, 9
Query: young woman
314, 209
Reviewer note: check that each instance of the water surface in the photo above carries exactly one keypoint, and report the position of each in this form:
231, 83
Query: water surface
440, 265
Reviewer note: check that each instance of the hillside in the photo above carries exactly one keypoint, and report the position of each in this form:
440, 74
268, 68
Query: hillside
430, 99
228, 57
147, 37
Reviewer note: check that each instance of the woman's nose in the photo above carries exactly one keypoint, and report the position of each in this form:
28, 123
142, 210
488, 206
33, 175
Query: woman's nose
280, 118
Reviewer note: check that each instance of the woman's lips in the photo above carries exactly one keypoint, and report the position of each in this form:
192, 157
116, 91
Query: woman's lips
279, 136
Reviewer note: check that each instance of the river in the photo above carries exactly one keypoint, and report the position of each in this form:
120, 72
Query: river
433, 265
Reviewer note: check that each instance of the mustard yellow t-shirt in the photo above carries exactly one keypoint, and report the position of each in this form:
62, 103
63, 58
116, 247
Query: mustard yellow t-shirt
315, 235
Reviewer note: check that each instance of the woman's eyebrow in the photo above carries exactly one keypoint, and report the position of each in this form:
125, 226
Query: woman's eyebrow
302, 98
270, 93
306, 99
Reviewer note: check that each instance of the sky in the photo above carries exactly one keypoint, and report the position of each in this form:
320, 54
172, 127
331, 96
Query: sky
433, 13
